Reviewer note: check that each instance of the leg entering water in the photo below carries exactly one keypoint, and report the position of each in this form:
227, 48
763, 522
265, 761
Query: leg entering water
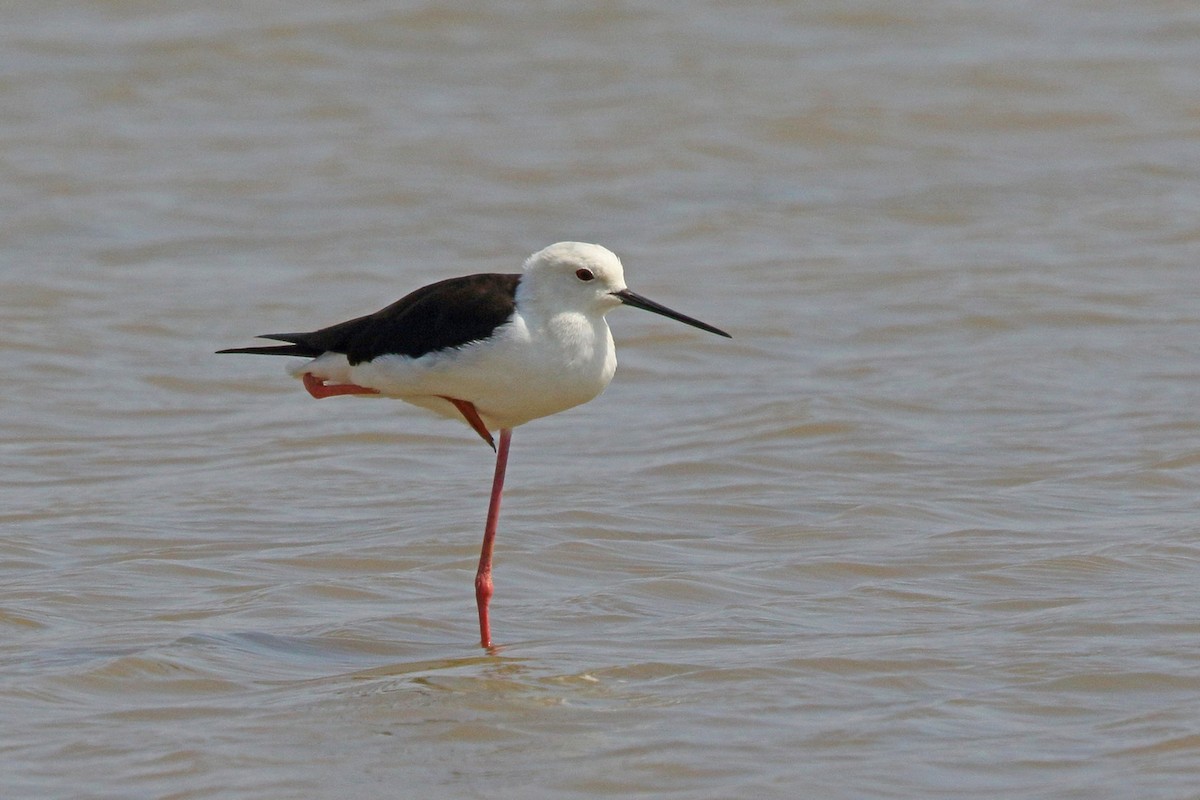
483, 576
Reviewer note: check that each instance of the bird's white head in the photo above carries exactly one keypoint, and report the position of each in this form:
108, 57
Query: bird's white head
587, 279
577, 276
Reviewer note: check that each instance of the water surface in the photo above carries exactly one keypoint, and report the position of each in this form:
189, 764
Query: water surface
926, 527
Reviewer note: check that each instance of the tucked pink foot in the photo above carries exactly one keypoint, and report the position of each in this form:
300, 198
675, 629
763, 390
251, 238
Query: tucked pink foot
471, 415
320, 390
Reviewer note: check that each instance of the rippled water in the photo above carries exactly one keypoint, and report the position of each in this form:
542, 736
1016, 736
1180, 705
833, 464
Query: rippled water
926, 527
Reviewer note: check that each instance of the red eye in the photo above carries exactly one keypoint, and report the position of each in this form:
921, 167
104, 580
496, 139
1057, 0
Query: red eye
584, 274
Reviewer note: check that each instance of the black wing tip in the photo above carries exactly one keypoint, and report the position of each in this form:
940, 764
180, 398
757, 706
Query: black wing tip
280, 350
711, 329
294, 347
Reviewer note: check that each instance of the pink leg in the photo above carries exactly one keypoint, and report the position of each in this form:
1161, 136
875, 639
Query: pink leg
483, 577
318, 388
467, 409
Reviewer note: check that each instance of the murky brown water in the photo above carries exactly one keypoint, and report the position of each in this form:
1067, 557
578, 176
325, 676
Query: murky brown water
927, 527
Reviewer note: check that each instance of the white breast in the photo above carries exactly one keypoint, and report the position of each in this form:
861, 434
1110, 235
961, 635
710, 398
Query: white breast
520, 373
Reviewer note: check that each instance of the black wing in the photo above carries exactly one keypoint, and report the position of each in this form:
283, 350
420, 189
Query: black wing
445, 314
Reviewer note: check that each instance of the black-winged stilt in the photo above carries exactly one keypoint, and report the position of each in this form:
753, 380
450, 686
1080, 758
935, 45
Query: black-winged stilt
495, 350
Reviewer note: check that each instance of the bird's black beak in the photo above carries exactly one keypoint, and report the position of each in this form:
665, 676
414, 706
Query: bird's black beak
637, 301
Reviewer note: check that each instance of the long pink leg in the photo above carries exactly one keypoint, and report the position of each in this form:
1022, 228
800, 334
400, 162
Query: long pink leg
483, 577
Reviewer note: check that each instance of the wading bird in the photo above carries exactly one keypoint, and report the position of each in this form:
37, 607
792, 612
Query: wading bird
494, 350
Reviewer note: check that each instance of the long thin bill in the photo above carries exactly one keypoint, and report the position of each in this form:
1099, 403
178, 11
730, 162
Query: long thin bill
637, 301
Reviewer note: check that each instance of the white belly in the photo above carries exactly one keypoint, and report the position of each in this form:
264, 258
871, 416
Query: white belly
513, 377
